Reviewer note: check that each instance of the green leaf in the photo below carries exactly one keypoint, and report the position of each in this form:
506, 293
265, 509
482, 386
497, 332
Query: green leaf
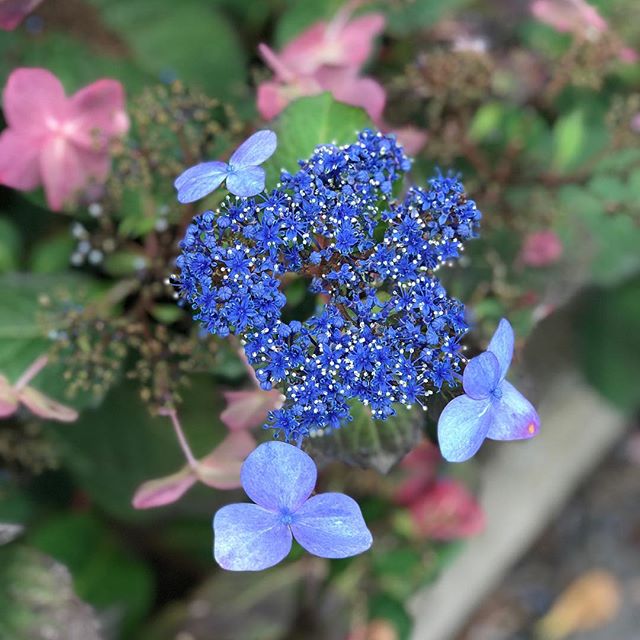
609, 334
486, 121
569, 136
52, 254
105, 574
369, 443
117, 446
187, 40
10, 243
384, 606
38, 600
308, 122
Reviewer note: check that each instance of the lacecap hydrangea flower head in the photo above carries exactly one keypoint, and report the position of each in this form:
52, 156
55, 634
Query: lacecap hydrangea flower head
384, 332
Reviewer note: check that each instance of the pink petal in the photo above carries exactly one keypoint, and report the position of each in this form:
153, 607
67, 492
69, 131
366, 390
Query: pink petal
67, 170
272, 99
357, 38
447, 512
304, 54
8, 398
420, 467
45, 407
221, 468
411, 138
33, 100
19, 166
97, 113
12, 12
351, 89
163, 491
248, 409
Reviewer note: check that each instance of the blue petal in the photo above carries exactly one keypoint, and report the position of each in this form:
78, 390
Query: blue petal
501, 346
199, 181
278, 476
481, 376
330, 525
246, 182
513, 416
462, 427
249, 538
254, 150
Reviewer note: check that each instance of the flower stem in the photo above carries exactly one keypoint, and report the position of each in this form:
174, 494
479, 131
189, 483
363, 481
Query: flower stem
172, 414
34, 369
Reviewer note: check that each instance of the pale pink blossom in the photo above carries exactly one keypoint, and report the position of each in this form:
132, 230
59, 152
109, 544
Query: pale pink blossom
541, 249
41, 405
220, 470
570, 16
58, 142
250, 408
343, 83
12, 12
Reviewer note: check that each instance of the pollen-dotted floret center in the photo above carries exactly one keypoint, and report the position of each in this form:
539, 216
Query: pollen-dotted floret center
385, 331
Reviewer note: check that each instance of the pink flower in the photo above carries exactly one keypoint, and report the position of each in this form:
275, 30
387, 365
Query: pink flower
249, 409
541, 249
343, 82
328, 56
12, 12
11, 396
59, 142
339, 43
420, 467
447, 511
220, 469
570, 16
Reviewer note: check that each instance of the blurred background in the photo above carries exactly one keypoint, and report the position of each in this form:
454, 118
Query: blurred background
537, 104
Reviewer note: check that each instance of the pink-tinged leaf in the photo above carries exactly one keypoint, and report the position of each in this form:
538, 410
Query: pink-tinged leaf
249, 409
97, 113
33, 100
221, 468
163, 491
8, 398
19, 166
41, 405
12, 12
541, 249
447, 512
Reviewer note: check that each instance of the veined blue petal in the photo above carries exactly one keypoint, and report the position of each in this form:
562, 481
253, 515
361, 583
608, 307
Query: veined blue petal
249, 538
246, 182
254, 150
199, 181
501, 346
278, 476
513, 416
330, 525
481, 376
462, 427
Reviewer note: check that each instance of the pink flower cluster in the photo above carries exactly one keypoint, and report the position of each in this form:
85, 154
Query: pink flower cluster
58, 142
440, 508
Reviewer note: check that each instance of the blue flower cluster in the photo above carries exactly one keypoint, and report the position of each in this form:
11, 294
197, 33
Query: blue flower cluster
385, 331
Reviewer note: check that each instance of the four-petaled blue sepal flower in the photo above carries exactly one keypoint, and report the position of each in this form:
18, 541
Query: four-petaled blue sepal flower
279, 478
491, 407
244, 176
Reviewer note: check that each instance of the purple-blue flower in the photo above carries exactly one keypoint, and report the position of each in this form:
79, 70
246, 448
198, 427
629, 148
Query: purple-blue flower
490, 407
280, 478
243, 174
